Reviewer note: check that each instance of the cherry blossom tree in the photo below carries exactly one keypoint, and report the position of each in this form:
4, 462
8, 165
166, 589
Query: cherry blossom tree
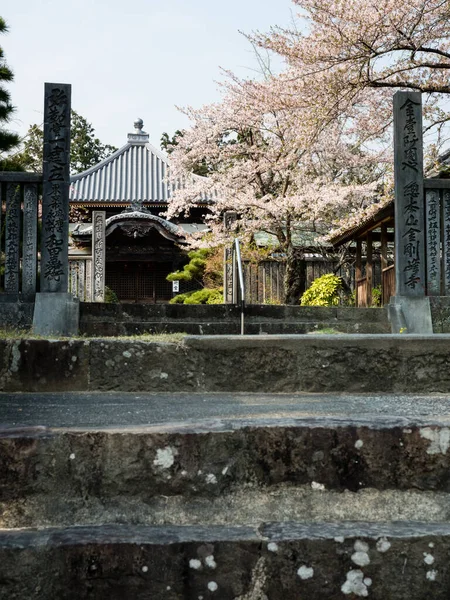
270, 164
347, 57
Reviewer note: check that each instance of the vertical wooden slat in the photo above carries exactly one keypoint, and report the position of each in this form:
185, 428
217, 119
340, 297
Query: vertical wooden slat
384, 247
358, 270
369, 268
12, 238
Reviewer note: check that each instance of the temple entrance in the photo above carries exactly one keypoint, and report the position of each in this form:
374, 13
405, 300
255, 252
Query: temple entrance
140, 282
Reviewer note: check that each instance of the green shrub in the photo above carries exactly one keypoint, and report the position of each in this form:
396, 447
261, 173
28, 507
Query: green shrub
376, 296
324, 291
204, 296
110, 296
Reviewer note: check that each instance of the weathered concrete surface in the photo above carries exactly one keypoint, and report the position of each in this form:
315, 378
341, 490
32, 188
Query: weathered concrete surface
49, 475
347, 363
276, 561
220, 319
128, 409
30, 365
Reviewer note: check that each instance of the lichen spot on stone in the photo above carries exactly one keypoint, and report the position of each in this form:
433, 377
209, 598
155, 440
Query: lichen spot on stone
144, 569
355, 584
168, 588
339, 539
165, 457
361, 557
383, 544
305, 572
212, 586
126, 354
210, 562
272, 547
317, 486
431, 575
431, 545
194, 563
439, 438
367, 581
211, 478
163, 375
225, 471
428, 559
359, 444
72, 456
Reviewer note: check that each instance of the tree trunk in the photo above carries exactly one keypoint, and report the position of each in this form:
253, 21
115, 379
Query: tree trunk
295, 276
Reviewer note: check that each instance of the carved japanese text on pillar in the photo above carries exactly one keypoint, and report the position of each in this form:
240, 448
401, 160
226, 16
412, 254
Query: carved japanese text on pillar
55, 204
98, 255
29, 259
446, 248
409, 209
433, 232
12, 240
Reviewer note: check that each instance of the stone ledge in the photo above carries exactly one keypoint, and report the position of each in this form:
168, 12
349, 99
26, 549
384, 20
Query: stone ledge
280, 562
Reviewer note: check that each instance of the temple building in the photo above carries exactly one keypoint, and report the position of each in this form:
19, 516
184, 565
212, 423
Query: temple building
133, 189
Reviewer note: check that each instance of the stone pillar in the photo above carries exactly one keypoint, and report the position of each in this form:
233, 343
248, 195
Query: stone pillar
56, 312
55, 195
88, 283
409, 310
409, 205
98, 255
433, 242
446, 242
12, 239
29, 253
228, 219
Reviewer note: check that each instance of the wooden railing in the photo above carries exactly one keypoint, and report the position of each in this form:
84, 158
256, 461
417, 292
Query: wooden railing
388, 283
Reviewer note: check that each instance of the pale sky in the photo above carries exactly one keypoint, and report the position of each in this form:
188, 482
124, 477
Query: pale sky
130, 58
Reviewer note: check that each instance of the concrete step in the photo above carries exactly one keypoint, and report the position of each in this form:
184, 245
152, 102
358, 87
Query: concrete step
284, 363
287, 561
227, 471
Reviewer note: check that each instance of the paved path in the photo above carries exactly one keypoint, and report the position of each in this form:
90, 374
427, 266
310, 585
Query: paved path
86, 409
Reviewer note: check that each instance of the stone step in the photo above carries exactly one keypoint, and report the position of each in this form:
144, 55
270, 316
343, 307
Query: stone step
227, 471
230, 327
276, 561
273, 363
132, 319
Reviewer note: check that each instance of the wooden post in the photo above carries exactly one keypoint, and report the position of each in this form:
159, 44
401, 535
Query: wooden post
384, 258
358, 270
369, 268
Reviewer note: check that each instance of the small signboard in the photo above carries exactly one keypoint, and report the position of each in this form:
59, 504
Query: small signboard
175, 286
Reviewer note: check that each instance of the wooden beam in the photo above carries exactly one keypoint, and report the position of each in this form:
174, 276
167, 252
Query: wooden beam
384, 240
369, 268
358, 269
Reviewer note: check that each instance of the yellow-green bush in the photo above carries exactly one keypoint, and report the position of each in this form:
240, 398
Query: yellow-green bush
324, 291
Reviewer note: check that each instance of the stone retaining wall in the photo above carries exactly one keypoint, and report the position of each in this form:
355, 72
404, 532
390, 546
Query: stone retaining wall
342, 363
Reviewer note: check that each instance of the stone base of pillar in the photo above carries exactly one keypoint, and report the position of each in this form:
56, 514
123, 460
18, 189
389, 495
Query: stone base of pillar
56, 314
410, 315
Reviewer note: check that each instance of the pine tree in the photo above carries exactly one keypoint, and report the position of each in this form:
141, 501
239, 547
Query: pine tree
8, 140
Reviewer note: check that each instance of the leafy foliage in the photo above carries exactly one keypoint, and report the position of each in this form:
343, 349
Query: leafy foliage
8, 140
204, 296
324, 291
194, 270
